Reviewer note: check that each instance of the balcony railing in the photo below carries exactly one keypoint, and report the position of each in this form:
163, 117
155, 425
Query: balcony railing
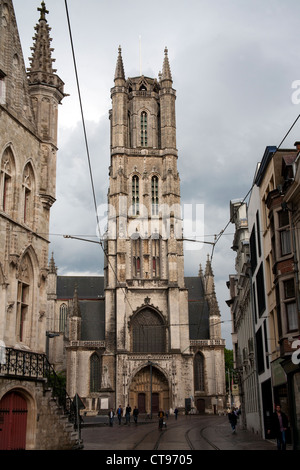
27, 365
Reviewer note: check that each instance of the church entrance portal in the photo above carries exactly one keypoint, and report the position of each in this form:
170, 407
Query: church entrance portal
140, 389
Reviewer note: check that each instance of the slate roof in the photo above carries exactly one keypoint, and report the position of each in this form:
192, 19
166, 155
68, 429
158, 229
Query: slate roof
90, 291
198, 308
88, 287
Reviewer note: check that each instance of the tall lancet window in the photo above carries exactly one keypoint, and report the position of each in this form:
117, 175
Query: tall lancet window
135, 195
63, 310
95, 373
154, 194
28, 195
7, 180
144, 139
155, 257
136, 257
129, 130
199, 372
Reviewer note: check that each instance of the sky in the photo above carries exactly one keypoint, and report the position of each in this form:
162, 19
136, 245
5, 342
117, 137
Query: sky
236, 71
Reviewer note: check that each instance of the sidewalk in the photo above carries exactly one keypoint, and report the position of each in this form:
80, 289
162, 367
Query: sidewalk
216, 429
222, 436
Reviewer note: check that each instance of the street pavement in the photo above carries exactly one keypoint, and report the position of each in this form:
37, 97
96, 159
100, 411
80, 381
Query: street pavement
205, 433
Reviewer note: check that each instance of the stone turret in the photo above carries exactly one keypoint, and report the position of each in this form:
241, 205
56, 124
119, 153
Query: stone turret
167, 103
46, 90
214, 311
45, 87
75, 319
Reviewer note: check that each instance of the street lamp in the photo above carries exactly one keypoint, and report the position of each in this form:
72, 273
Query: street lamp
49, 334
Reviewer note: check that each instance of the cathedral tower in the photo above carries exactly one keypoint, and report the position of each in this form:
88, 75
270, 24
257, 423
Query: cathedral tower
147, 332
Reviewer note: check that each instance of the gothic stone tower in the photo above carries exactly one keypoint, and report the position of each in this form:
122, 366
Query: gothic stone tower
147, 332
28, 146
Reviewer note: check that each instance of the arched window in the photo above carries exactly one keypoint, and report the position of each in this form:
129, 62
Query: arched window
62, 317
154, 195
24, 300
7, 181
135, 195
144, 137
28, 195
155, 253
148, 332
136, 256
199, 372
129, 130
95, 373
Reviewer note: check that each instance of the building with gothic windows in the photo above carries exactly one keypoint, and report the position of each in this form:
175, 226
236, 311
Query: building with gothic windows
29, 415
143, 333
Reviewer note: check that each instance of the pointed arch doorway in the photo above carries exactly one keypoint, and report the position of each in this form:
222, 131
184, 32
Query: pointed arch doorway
147, 379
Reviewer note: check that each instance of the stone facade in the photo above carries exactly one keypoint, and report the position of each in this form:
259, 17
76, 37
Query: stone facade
144, 352
28, 145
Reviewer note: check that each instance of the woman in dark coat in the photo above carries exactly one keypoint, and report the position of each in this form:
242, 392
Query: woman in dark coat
232, 419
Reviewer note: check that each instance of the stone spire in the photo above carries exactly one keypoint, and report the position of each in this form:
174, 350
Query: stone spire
41, 69
210, 289
41, 59
166, 70
119, 73
76, 307
52, 267
200, 273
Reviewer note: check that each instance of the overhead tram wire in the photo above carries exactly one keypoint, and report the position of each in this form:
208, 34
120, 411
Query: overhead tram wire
231, 219
83, 120
89, 160
217, 237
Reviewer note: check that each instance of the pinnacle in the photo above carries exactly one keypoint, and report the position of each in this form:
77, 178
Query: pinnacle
119, 67
52, 267
41, 59
166, 72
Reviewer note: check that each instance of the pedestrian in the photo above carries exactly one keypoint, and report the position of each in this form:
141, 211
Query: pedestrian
233, 420
111, 415
135, 414
127, 414
278, 428
176, 412
161, 415
120, 413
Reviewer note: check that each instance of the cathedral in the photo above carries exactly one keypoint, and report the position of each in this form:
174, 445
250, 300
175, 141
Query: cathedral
142, 334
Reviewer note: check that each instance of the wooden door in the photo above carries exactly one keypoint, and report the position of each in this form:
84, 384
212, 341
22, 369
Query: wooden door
155, 402
13, 422
142, 402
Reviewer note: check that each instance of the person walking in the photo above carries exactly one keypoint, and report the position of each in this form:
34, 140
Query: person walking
111, 415
120, 413
135, 414
233, 420
127, 414
279, 425
161, 415
176, 412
